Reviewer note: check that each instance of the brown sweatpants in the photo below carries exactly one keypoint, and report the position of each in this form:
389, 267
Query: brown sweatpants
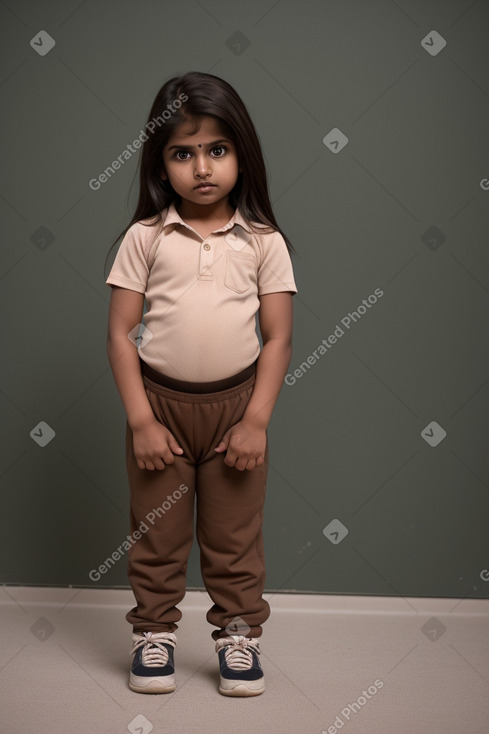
229, 505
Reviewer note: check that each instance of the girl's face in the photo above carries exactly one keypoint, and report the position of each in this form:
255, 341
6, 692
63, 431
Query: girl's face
202, 168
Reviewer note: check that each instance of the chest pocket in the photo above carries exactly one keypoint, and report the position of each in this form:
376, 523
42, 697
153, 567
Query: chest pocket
240, 271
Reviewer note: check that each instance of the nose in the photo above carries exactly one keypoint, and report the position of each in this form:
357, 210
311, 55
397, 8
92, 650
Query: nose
202, 165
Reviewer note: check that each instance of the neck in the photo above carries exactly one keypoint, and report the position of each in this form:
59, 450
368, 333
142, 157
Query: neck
220, 210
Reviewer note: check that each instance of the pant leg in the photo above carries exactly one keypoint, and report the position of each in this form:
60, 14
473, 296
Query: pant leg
162, 511
230, 507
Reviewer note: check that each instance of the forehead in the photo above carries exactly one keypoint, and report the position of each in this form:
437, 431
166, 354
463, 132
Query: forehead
185, 132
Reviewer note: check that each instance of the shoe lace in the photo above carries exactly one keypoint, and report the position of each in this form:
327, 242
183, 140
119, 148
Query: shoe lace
238, 651
154, 654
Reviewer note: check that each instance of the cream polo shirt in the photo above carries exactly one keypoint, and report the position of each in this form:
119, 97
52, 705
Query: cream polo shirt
201, 294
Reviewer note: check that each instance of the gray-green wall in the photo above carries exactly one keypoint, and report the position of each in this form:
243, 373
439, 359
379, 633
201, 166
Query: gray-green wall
402, 207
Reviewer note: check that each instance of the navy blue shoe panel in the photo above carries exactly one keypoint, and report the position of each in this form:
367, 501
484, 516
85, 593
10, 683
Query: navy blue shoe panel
254, 673
139, 669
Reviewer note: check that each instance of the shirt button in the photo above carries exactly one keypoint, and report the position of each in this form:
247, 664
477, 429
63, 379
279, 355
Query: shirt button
207, 247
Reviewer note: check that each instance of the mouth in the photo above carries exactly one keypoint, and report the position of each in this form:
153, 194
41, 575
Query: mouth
205, 186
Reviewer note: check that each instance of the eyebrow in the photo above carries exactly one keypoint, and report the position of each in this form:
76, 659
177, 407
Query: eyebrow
191, 147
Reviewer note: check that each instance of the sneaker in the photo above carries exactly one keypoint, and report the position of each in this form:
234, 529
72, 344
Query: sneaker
153, 670
241, 672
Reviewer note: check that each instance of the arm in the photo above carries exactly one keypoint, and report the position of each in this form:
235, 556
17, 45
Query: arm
153, 443
126, 310
247, 438
275, 318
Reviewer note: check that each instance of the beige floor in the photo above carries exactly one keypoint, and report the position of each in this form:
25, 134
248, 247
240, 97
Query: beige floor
422, 665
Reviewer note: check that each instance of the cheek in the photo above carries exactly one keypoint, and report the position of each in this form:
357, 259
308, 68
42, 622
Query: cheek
234, 166
177, 173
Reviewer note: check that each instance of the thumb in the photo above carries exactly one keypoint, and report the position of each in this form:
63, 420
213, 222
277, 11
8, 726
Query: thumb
174, 447
223, 443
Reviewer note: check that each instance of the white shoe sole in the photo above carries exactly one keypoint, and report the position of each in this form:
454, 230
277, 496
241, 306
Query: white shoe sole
143, 684
241, 688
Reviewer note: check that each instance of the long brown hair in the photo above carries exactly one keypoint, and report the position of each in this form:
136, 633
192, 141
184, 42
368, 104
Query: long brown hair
209, 95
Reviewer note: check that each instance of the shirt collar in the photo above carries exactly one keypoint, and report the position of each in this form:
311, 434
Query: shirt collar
173, 217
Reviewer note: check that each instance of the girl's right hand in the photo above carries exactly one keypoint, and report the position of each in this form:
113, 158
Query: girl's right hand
154, 446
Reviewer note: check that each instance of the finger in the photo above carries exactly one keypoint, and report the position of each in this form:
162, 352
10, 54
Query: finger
168, 457
241, 464
223, 443
159, 464
231, 457
174, 446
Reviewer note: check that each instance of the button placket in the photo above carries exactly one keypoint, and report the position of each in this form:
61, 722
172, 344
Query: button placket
207, 254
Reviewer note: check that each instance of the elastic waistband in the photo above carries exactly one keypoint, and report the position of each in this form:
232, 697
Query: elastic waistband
197, 391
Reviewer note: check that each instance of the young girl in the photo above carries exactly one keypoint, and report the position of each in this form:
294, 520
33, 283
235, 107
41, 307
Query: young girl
205, 251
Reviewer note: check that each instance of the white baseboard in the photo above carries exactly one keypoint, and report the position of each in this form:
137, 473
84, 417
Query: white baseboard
279, 601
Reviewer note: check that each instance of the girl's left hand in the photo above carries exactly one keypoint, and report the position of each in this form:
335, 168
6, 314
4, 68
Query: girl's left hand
245, 444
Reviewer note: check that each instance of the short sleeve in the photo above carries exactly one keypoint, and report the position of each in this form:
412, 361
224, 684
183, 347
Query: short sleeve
275, 272
130, 269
